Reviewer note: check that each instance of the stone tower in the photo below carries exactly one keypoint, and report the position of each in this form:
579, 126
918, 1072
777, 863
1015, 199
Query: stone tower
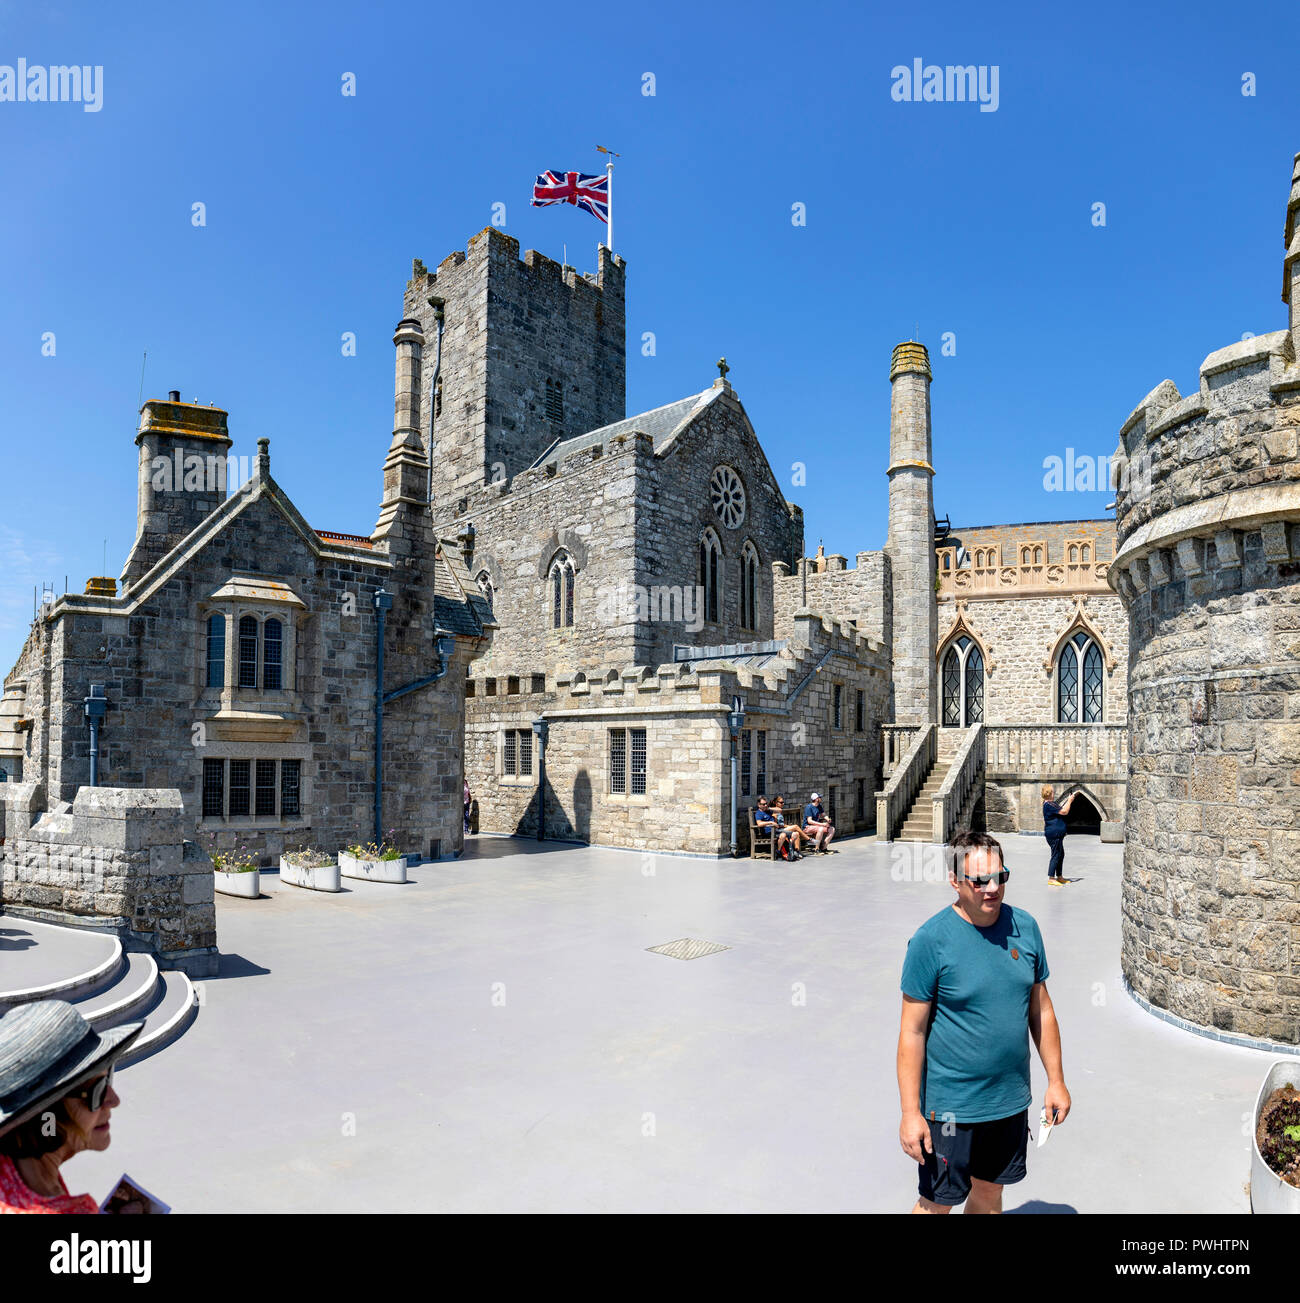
182, 476
910, 544
1208, 565
531, 352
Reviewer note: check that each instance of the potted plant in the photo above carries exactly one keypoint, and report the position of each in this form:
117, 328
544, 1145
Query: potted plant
311, 868
1275, 1151
377, 861
235, 872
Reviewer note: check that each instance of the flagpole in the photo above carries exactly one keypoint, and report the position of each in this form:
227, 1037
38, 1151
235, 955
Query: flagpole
609, 225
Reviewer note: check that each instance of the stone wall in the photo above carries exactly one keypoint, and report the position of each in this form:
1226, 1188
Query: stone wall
512, 326
683, 709
1007, 538
1209, 568
860, 593
115, 860
630, 516
148, 647
1019, 637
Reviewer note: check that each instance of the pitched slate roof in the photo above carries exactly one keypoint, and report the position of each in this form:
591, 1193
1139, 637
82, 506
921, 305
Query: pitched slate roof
458, 606
660, 423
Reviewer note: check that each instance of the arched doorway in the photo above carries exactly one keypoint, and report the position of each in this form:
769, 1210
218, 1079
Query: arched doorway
1084, 817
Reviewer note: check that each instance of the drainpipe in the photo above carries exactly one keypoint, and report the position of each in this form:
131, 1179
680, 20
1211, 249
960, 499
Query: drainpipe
436, 304
444, 645
96, 707
383, 604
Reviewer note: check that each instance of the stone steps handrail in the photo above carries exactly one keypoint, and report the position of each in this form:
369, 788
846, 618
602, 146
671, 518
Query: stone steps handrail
964, 772
1056, 750
893, 803
894, 742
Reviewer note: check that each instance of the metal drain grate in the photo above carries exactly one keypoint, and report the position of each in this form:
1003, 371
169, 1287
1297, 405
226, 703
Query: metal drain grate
687, 948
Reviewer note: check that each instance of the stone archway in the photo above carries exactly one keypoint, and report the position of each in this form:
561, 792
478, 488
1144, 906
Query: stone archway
1086, 815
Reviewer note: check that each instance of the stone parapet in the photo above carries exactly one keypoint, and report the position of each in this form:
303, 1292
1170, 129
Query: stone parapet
115, 860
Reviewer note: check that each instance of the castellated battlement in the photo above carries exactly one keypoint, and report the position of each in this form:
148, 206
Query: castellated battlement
493, 244
1208, 567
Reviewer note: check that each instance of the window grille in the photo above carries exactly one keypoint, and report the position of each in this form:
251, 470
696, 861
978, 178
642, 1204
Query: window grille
248, 652
638, 761
290, 789
240, 793
554, 401
761, 737
746, 760
860, 722
512, 753
525, 752
618, 760
214, 789
265, 787
839, 705
216, 651
272, 644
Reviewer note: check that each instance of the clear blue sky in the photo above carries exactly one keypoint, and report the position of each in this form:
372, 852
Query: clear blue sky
927, 217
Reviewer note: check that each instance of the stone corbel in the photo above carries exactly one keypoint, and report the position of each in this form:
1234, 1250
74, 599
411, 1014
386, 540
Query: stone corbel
1160, 571
1191, 555
1127, 589
1276, 546
1227, 547
1137, 569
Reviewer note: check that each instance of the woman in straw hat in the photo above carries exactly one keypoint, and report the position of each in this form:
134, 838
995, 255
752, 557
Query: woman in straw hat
56, 1097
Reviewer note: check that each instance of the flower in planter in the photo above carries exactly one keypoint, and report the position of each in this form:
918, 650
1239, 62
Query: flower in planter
384, 850
309, 857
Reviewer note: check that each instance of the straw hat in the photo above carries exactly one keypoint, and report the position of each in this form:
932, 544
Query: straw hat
47, 1048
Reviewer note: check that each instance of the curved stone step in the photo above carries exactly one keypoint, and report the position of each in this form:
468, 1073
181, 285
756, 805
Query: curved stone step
77, 985
134, 991
175, 1008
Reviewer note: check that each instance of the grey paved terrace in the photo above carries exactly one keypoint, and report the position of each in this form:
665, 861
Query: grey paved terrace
496, 1037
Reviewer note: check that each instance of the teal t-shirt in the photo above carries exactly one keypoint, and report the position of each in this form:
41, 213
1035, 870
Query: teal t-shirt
978, 982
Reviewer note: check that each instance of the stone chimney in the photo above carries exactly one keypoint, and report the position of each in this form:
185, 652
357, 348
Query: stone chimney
910, 543
406, 471
1291, 263
182, 476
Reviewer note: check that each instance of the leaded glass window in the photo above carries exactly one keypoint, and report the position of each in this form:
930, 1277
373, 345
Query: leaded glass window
272, 648
710, 556
963, 684
248, 652
216, 651
1080, 682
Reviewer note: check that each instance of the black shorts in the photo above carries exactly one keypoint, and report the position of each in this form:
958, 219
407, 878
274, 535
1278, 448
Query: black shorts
989, 1151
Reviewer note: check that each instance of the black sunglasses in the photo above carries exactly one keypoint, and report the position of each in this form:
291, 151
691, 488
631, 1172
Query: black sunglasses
95, 1092
983, 881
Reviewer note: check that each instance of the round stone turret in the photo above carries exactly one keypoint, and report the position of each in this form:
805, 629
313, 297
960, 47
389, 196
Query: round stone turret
1208, 565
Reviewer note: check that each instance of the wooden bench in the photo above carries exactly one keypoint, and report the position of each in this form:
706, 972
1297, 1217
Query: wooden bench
762, 842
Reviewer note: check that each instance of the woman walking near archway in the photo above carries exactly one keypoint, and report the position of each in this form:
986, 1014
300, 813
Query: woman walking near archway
1054, 829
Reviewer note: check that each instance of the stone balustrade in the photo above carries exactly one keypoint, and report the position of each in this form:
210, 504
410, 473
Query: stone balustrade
895, 739
893, 803
1056, 751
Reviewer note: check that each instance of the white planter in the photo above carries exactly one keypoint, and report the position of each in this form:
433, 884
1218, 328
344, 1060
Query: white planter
247, 885
373, 870
324, 877
1269, 1193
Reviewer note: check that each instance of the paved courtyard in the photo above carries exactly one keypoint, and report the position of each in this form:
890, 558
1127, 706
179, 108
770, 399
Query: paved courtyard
496, 1037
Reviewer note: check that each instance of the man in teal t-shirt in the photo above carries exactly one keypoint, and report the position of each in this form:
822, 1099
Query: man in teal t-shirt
974, 992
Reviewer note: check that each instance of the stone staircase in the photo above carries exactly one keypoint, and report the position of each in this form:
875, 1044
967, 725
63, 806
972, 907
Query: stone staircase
91, 971
916, 827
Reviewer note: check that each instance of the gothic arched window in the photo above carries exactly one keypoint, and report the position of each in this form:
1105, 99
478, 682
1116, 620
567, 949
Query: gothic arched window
484, 582
963, 684
562, 572
711, 575
749, 588
1079, 682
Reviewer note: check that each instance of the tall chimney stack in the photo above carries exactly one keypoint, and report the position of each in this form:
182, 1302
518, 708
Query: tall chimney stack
1291, 263
910, 543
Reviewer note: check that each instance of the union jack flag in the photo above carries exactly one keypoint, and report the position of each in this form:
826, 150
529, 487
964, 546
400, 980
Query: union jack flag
589, 192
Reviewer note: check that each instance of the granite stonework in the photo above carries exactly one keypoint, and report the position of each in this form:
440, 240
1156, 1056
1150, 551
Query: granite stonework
243, 635
1208, 566
789, 698
115, 860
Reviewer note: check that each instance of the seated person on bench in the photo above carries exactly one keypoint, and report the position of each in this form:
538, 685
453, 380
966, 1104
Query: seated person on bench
768, 822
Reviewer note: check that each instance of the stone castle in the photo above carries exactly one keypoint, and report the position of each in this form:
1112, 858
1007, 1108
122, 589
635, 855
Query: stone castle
629, 601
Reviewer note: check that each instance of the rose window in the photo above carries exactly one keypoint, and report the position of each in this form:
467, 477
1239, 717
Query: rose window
727, 494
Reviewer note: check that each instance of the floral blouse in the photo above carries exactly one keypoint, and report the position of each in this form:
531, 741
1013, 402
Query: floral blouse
16, 1197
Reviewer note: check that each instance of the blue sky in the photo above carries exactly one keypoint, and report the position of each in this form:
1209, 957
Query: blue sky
920, 217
